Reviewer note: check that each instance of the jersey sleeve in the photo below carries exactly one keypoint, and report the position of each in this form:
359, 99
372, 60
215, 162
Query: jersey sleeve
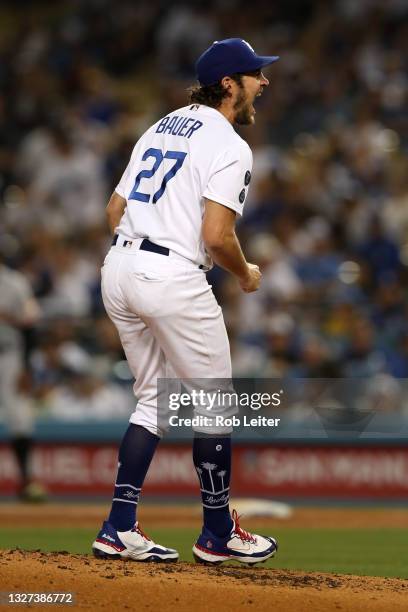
230, 177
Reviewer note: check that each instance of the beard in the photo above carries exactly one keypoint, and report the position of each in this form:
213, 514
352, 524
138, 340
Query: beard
243, 110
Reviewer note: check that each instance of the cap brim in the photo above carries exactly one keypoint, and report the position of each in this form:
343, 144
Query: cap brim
265, 60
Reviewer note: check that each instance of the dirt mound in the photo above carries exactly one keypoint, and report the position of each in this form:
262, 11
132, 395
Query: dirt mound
118, 585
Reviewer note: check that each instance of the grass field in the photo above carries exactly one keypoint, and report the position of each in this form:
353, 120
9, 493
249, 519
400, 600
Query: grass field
370, 552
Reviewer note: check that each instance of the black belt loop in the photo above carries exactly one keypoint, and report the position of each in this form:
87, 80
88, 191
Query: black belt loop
115, 239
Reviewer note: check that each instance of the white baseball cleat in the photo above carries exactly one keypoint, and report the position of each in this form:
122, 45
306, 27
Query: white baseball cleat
132, 544
238, 545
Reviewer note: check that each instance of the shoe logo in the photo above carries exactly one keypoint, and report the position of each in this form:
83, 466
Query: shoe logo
238, 545
209, 544
108, 537
131, 495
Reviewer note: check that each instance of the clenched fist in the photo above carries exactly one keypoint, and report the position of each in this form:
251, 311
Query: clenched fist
252, 279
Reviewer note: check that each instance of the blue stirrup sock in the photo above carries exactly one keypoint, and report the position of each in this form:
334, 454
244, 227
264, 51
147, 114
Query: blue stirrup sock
135, 454
212, 461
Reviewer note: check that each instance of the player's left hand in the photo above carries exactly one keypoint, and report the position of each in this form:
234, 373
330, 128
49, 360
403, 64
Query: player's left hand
252, 280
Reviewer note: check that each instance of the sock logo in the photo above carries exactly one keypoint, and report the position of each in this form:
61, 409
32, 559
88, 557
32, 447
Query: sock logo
222, 499
131, 495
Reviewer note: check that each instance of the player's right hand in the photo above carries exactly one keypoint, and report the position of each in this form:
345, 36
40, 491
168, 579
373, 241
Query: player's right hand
252, 279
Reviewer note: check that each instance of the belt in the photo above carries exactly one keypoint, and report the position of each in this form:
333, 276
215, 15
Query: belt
146, 245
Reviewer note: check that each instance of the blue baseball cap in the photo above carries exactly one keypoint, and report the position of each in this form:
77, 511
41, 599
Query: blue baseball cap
229, 56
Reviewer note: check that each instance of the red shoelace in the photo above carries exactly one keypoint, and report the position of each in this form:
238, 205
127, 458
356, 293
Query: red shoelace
241, 533
140, 532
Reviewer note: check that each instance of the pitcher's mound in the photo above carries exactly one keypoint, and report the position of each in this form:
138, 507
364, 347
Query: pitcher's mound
118, 585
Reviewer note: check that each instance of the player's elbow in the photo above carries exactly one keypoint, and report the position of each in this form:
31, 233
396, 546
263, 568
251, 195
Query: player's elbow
218, 226
215, 239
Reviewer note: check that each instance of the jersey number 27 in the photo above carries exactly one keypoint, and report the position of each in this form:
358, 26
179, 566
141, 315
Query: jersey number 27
157, 154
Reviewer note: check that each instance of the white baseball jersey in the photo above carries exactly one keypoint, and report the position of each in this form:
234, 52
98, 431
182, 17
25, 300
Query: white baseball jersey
190, 154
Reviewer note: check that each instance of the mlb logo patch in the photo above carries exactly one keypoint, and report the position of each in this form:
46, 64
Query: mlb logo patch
209, 544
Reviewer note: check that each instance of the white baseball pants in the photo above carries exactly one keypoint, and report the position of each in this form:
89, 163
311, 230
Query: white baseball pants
169, 323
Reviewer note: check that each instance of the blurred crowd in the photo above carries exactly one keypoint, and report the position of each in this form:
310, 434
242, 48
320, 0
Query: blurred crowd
327, 214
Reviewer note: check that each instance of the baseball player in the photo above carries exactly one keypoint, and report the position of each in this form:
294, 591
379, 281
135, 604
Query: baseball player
172, 214
18, 310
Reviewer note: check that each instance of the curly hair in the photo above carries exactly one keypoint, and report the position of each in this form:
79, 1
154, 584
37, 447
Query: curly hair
211, 95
